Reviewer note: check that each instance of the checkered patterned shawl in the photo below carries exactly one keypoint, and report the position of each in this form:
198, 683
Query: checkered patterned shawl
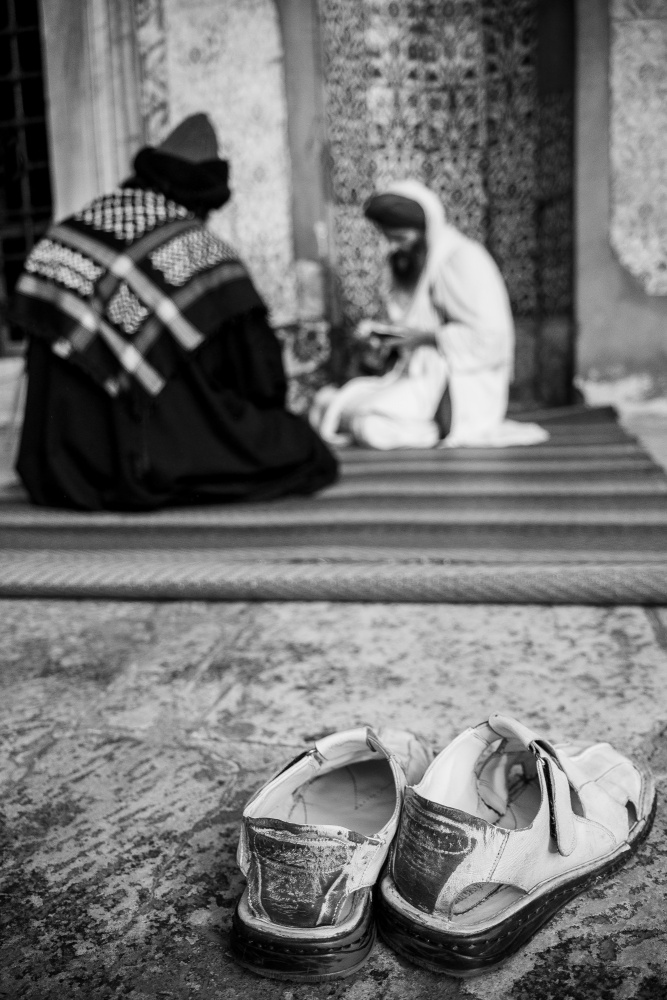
126, 284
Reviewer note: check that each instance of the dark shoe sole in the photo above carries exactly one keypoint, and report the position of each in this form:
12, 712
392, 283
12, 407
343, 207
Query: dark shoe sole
478, 952
303, 959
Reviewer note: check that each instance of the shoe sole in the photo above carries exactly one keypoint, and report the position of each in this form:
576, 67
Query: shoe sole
472, 954
302, 958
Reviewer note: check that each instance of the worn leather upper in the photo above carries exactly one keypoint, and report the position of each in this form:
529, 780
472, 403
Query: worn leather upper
574, 812
306, 874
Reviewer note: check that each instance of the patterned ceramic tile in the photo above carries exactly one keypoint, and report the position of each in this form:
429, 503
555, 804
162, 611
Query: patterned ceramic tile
638, 149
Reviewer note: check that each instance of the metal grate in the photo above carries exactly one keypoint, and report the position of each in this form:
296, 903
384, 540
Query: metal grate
25, 183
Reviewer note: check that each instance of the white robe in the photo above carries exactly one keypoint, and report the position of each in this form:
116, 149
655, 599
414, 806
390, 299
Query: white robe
461, 298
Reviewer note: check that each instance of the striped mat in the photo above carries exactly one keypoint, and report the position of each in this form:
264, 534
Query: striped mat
579, 519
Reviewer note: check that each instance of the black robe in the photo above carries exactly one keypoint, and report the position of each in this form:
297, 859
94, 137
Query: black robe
217, 432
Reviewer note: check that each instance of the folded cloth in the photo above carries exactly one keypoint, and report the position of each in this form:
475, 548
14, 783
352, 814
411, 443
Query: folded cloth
397, 410
479, 404
508, 434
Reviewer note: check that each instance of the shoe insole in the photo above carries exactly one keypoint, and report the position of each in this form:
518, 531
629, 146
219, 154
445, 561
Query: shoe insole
360, 797
508, 792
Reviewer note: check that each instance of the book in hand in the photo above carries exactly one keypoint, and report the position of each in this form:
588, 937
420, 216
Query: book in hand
368, 329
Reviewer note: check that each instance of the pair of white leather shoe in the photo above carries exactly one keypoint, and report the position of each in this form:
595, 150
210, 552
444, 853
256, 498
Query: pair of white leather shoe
488, 840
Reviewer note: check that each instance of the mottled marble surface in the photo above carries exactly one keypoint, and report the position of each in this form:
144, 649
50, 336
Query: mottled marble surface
134, 732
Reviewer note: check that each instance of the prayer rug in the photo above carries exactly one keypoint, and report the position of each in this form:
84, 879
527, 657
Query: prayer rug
580, 519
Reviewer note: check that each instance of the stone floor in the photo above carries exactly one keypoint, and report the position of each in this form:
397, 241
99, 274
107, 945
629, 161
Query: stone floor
133, 734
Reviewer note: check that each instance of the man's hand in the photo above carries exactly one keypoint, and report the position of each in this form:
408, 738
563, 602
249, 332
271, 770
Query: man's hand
364, 329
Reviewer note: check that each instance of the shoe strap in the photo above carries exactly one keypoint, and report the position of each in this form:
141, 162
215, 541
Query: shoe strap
557, 783
563, 828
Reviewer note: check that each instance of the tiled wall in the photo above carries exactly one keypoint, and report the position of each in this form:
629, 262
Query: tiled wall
451, 93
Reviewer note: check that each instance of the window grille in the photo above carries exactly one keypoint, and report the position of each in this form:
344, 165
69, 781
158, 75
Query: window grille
25, 183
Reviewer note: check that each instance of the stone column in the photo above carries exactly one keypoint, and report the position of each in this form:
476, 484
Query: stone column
638, 139
93, 104
300, 29
620, 138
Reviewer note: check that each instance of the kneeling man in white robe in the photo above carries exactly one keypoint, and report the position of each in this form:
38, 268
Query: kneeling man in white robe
450, 319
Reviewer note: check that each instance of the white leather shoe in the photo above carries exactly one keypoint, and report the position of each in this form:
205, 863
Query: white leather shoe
503, 829
313, 842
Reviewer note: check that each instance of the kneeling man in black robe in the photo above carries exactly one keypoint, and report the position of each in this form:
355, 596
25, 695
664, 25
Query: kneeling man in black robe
154, 377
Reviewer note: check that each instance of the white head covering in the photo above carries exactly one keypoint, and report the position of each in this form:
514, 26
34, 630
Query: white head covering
433, 208
441, 238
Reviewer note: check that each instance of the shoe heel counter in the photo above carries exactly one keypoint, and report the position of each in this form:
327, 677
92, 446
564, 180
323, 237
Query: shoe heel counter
429, 849
294, 880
